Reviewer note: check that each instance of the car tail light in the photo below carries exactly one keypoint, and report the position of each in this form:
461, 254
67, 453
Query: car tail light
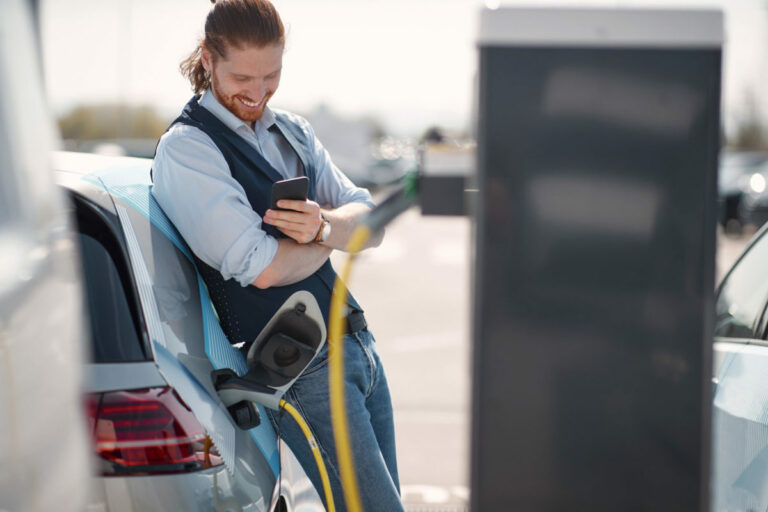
148, 431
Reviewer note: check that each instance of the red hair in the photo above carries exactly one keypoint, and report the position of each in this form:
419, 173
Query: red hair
238, 23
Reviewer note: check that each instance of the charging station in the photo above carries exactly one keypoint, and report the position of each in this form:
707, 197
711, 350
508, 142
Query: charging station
598, 141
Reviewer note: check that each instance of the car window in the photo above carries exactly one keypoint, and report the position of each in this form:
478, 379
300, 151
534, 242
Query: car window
110, 298
743, 294
174, 282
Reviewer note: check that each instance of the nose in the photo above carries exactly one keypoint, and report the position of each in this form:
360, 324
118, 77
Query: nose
260, 90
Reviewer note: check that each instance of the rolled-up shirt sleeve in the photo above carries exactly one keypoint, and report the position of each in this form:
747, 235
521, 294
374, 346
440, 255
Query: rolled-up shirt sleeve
333, 186
195, 189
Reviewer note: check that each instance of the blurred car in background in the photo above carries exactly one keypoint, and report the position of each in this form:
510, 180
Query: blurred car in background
734, 181
163, 440
740, 384
753, 208
361, 149
43, 443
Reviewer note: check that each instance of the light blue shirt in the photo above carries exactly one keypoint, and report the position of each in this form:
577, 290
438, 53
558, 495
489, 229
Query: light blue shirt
194, 187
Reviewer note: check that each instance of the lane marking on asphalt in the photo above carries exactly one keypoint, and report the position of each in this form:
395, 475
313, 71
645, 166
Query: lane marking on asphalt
461, 491
434, 495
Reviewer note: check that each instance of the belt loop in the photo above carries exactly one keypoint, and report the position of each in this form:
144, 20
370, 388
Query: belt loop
356, 322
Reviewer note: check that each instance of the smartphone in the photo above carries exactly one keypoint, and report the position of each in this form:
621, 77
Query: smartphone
294, 188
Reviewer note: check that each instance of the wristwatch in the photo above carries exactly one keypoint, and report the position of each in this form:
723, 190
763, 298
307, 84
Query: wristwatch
324, 231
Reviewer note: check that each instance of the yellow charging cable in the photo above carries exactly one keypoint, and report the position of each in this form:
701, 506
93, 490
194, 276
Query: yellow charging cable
388, 210
336, 373
336, 389
315, 451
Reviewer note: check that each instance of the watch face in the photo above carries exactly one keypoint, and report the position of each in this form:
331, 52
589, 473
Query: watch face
326, 231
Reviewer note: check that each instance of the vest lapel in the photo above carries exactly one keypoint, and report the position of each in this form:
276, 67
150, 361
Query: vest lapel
211, 122
300, 149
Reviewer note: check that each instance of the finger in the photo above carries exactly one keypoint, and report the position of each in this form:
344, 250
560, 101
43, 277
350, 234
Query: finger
274, 217
293, 220
290, 216
300, 232
299, 206
291, 204
286, 224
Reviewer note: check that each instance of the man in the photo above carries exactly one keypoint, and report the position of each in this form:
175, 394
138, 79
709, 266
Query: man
213, 173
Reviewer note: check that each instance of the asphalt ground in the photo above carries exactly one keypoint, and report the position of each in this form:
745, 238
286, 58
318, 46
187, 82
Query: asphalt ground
415, 289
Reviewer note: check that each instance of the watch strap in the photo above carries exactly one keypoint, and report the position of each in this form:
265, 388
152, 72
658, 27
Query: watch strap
321, 231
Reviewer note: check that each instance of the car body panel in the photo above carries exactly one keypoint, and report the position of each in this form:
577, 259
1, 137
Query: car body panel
740, 428
105, 377
739, 479
43, 435
188, 360
186, 344
203, 491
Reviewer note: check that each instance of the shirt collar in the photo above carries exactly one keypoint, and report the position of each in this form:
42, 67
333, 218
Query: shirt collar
209, 101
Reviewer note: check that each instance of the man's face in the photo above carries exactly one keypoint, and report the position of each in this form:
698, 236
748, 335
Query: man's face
246, 79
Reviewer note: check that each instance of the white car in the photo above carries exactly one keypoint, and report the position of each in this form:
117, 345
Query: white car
43, 442
163, 438
740, 383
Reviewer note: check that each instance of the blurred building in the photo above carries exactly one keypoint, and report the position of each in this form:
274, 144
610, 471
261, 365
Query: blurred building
361, 148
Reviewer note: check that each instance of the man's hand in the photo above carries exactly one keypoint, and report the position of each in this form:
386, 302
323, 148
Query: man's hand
303, 223
296, 261
300, 220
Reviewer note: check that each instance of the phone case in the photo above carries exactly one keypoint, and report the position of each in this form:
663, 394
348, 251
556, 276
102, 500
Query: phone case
294, 188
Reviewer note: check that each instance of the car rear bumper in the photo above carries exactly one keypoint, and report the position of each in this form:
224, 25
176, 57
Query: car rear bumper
212, 489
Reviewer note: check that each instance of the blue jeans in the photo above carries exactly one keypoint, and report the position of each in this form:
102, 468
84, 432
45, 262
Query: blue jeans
371, 429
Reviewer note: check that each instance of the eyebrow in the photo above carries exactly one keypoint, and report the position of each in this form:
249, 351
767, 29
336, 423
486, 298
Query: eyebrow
241, 75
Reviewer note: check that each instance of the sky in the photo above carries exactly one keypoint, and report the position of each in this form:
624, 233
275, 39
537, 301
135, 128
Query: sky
409, 63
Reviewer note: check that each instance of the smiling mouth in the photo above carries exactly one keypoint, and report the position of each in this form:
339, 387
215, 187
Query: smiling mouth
251, 104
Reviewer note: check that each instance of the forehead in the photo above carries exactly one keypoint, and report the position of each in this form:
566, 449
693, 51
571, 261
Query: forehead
249, 60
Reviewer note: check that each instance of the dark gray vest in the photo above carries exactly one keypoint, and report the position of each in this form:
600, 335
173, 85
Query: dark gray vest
244, 311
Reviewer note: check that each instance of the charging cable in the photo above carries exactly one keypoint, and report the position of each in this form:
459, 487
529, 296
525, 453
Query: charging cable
315, 451
395, 204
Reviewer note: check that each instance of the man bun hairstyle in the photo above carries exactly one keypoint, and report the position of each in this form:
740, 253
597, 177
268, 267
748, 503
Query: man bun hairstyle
233, 23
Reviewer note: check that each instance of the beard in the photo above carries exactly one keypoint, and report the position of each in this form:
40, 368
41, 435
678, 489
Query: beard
248, 115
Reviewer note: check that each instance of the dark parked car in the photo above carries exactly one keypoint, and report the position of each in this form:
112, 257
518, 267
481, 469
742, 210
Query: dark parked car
736, 170
162, 437
740, 384
753, 208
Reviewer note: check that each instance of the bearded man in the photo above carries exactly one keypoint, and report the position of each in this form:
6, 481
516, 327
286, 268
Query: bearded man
213, 173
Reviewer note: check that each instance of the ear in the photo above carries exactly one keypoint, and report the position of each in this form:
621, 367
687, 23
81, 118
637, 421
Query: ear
206, 59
